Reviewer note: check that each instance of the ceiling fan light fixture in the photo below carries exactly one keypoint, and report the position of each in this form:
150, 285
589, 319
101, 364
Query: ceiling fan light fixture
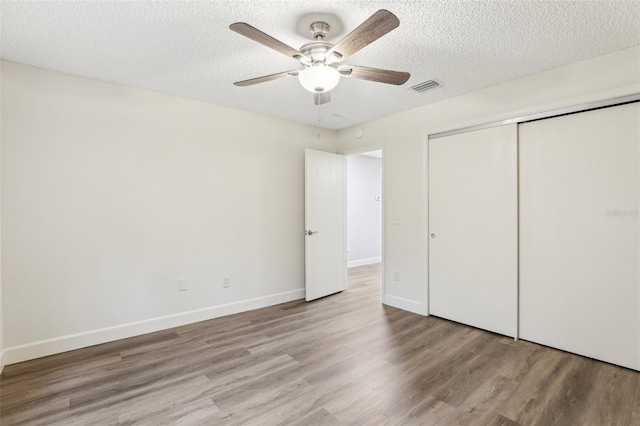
320, 73
319, 78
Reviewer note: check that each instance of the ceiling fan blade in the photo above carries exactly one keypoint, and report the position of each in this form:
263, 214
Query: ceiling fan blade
374, 74
322, 98
379, 24
255, 34
265, 78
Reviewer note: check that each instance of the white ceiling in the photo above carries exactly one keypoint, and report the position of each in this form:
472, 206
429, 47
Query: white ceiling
186, 48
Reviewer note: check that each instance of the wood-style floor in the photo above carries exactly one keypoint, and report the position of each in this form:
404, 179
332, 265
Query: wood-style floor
344, 359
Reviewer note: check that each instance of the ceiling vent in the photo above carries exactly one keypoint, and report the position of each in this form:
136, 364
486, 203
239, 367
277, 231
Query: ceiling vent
426, 86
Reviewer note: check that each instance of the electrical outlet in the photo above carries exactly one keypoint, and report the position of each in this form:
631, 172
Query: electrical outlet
396, 275
395, 220
183, 284
226, 283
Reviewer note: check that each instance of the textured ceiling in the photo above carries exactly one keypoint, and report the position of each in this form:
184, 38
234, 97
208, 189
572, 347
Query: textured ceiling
186, 49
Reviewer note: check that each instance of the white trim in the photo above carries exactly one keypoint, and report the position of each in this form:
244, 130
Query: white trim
57, 345
425, 218
345, 223
362, 262
405, 304
536, 109
383, 229
1, 361
619, 100
362, 149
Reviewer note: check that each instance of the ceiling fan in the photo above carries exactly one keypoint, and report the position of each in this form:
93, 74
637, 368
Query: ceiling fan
321, 71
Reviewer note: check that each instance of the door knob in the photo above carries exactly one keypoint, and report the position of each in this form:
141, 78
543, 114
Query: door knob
310, 232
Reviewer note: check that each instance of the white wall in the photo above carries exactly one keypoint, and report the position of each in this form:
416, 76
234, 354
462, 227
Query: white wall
403, 137
1, 317
364, 212
111, 194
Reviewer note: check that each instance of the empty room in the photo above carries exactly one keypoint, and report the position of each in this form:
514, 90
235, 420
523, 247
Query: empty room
278, 212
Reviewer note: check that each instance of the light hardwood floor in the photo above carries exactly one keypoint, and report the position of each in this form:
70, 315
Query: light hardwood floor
344, 359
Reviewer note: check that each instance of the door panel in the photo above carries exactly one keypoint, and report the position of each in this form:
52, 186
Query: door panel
579, 233
473, 228
325, 260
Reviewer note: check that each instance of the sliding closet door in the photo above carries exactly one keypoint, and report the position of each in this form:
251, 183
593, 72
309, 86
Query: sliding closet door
473, 228
579, 233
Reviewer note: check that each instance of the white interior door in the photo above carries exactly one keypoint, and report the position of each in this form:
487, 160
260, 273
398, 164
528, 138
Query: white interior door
579, 233
325, 224
473, 231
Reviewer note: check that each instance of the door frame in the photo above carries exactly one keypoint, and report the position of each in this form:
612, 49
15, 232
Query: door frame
349, 153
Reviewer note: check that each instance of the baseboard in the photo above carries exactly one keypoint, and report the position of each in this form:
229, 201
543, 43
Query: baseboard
404, 304
1, 361
362, 262
57, 345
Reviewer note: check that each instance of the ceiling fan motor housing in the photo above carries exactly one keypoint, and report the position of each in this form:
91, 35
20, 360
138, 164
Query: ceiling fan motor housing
319, 30
314, 52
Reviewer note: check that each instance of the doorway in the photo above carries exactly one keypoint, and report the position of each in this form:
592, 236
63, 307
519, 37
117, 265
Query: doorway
364, 221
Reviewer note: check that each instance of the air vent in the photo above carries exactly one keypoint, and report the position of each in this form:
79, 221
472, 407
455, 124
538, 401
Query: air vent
425, 86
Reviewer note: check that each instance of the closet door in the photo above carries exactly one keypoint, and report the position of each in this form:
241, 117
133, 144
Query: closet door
473, 228
579, 233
